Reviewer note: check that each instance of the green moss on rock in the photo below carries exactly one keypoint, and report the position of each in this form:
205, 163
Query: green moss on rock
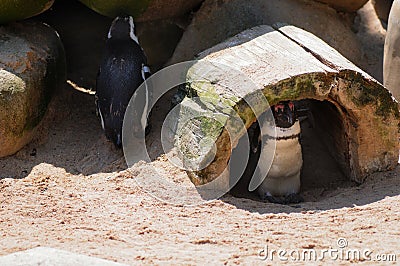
13, 10
118, 7
32, 66
370, 94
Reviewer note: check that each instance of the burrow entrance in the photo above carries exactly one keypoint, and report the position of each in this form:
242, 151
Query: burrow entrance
326, 162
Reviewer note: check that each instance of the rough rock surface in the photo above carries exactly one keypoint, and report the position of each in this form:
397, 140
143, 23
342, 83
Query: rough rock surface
12, 10
382, 8
391, 59
345, 5
143, 10
213, 24
32, 65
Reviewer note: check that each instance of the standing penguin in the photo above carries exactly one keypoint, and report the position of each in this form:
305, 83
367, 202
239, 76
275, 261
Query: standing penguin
123, 69
282, 183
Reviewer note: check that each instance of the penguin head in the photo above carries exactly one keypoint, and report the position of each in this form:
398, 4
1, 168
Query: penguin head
122, 28
284, 114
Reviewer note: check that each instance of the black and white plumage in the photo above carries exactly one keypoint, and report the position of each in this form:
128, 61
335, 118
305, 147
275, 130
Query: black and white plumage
282, 183
123, 69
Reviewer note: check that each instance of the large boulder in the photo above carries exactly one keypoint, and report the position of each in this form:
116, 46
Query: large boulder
143, 10
32, 66
345, 5
147, 10
12, 10
391, 59
214, 23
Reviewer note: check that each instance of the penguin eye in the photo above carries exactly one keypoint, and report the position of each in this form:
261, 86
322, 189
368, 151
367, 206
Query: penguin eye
279, 108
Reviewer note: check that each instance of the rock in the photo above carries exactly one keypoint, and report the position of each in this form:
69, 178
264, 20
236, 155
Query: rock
371, 34
159, 39
344, 5
32, 66
143, 10
382, 9
353, 113
12, 10
52, 257
213, 24
391, 58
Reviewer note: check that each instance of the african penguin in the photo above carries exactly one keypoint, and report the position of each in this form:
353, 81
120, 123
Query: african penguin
123, 69
282, 183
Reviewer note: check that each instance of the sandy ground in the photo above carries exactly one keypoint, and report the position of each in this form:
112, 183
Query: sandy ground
70, 189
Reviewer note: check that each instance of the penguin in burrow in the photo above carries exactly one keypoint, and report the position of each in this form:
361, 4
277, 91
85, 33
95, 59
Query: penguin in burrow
282, 182
123, 69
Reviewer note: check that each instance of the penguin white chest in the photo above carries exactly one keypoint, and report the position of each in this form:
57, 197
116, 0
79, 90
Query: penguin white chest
283, 177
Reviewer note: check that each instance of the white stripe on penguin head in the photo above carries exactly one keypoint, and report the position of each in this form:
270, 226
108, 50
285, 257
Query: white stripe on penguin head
112, 26
132, 30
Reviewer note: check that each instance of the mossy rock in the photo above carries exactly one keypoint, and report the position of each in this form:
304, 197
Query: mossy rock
142, 10
279, 63
32, 66
115, 8
13, 10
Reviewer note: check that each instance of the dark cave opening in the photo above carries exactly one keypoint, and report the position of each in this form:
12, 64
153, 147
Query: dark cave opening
325, 152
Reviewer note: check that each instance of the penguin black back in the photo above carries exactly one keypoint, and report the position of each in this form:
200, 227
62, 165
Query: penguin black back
122, 71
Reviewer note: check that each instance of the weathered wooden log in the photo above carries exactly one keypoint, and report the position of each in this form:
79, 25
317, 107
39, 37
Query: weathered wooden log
284, 63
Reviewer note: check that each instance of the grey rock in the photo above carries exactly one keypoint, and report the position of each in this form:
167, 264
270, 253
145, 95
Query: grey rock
218, 20
45, 256
382, 8
344, 5
391, 58
32, 66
